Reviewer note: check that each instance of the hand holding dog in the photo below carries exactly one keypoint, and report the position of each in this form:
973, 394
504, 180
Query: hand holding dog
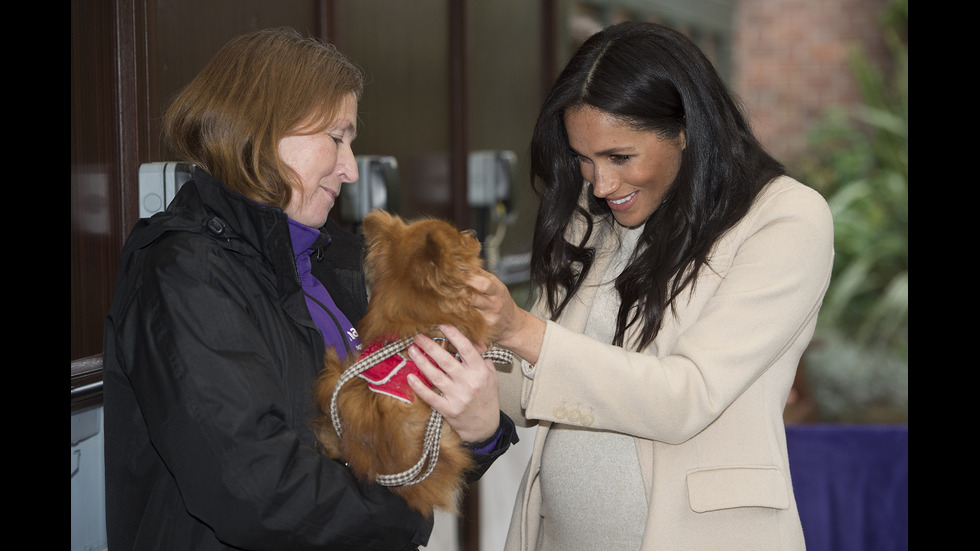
511, 326
468, 399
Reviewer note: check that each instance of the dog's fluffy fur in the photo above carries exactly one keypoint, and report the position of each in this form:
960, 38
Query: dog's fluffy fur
417, 277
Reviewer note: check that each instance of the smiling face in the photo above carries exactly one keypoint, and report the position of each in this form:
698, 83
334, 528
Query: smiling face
630, 169
322, 162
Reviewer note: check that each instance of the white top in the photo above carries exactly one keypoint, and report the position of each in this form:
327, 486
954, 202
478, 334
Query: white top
592, 490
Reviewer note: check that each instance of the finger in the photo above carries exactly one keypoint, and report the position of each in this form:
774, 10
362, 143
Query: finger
463, 345
480, 283
483, 304
445, 396
426, 394
436, 353
468, 352
480, 299
437, 374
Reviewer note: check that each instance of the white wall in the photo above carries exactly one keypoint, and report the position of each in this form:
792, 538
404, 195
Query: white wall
87, 481
498, 488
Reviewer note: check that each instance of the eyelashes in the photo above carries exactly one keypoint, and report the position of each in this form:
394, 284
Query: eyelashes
615, 159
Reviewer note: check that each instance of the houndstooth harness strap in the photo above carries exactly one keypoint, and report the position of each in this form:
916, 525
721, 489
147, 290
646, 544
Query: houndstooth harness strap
433, 428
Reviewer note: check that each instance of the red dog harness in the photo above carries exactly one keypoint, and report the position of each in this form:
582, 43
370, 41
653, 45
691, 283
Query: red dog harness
390, 375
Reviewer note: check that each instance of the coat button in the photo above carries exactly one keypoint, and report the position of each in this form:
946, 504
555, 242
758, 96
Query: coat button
573, 415
560, 412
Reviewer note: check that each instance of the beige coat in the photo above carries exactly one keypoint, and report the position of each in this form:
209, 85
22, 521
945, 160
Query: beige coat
704, 402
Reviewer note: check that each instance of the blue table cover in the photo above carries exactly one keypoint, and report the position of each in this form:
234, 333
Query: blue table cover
852, 486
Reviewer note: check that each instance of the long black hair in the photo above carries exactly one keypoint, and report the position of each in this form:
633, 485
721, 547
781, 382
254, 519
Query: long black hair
654, 79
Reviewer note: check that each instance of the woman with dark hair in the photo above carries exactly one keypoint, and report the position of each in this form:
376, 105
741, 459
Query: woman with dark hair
223, 310
679, 272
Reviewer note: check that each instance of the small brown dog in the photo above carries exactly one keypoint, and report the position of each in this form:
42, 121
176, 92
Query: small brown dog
417, 275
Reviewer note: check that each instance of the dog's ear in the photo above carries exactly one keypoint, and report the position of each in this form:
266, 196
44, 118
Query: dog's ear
380, 228
447, 258
378, 221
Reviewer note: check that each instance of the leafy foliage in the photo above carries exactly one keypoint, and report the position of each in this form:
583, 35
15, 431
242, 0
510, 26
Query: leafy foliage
859, 160
865, 177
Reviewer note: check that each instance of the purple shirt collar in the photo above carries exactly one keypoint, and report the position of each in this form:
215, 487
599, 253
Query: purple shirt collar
337, 331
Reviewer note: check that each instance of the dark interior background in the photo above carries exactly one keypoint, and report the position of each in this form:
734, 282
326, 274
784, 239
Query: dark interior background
445, 77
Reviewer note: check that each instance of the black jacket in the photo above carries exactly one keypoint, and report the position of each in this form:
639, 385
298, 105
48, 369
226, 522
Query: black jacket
209, 358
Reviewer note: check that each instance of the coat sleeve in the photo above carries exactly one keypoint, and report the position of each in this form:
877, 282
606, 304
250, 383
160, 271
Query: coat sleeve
504, 438
220, 416
756, 306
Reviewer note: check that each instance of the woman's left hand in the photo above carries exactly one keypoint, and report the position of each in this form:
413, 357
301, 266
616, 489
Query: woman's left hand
467, 390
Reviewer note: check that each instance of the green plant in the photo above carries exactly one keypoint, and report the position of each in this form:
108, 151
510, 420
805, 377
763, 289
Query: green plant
859, 161
867, 187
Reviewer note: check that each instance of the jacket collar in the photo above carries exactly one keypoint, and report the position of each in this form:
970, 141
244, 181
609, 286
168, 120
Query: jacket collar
205, 205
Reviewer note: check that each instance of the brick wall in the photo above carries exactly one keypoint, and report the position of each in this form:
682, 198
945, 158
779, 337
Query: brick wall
791, 63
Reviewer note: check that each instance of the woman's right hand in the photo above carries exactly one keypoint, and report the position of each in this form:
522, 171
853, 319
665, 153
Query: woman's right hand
467, 388
510, 325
